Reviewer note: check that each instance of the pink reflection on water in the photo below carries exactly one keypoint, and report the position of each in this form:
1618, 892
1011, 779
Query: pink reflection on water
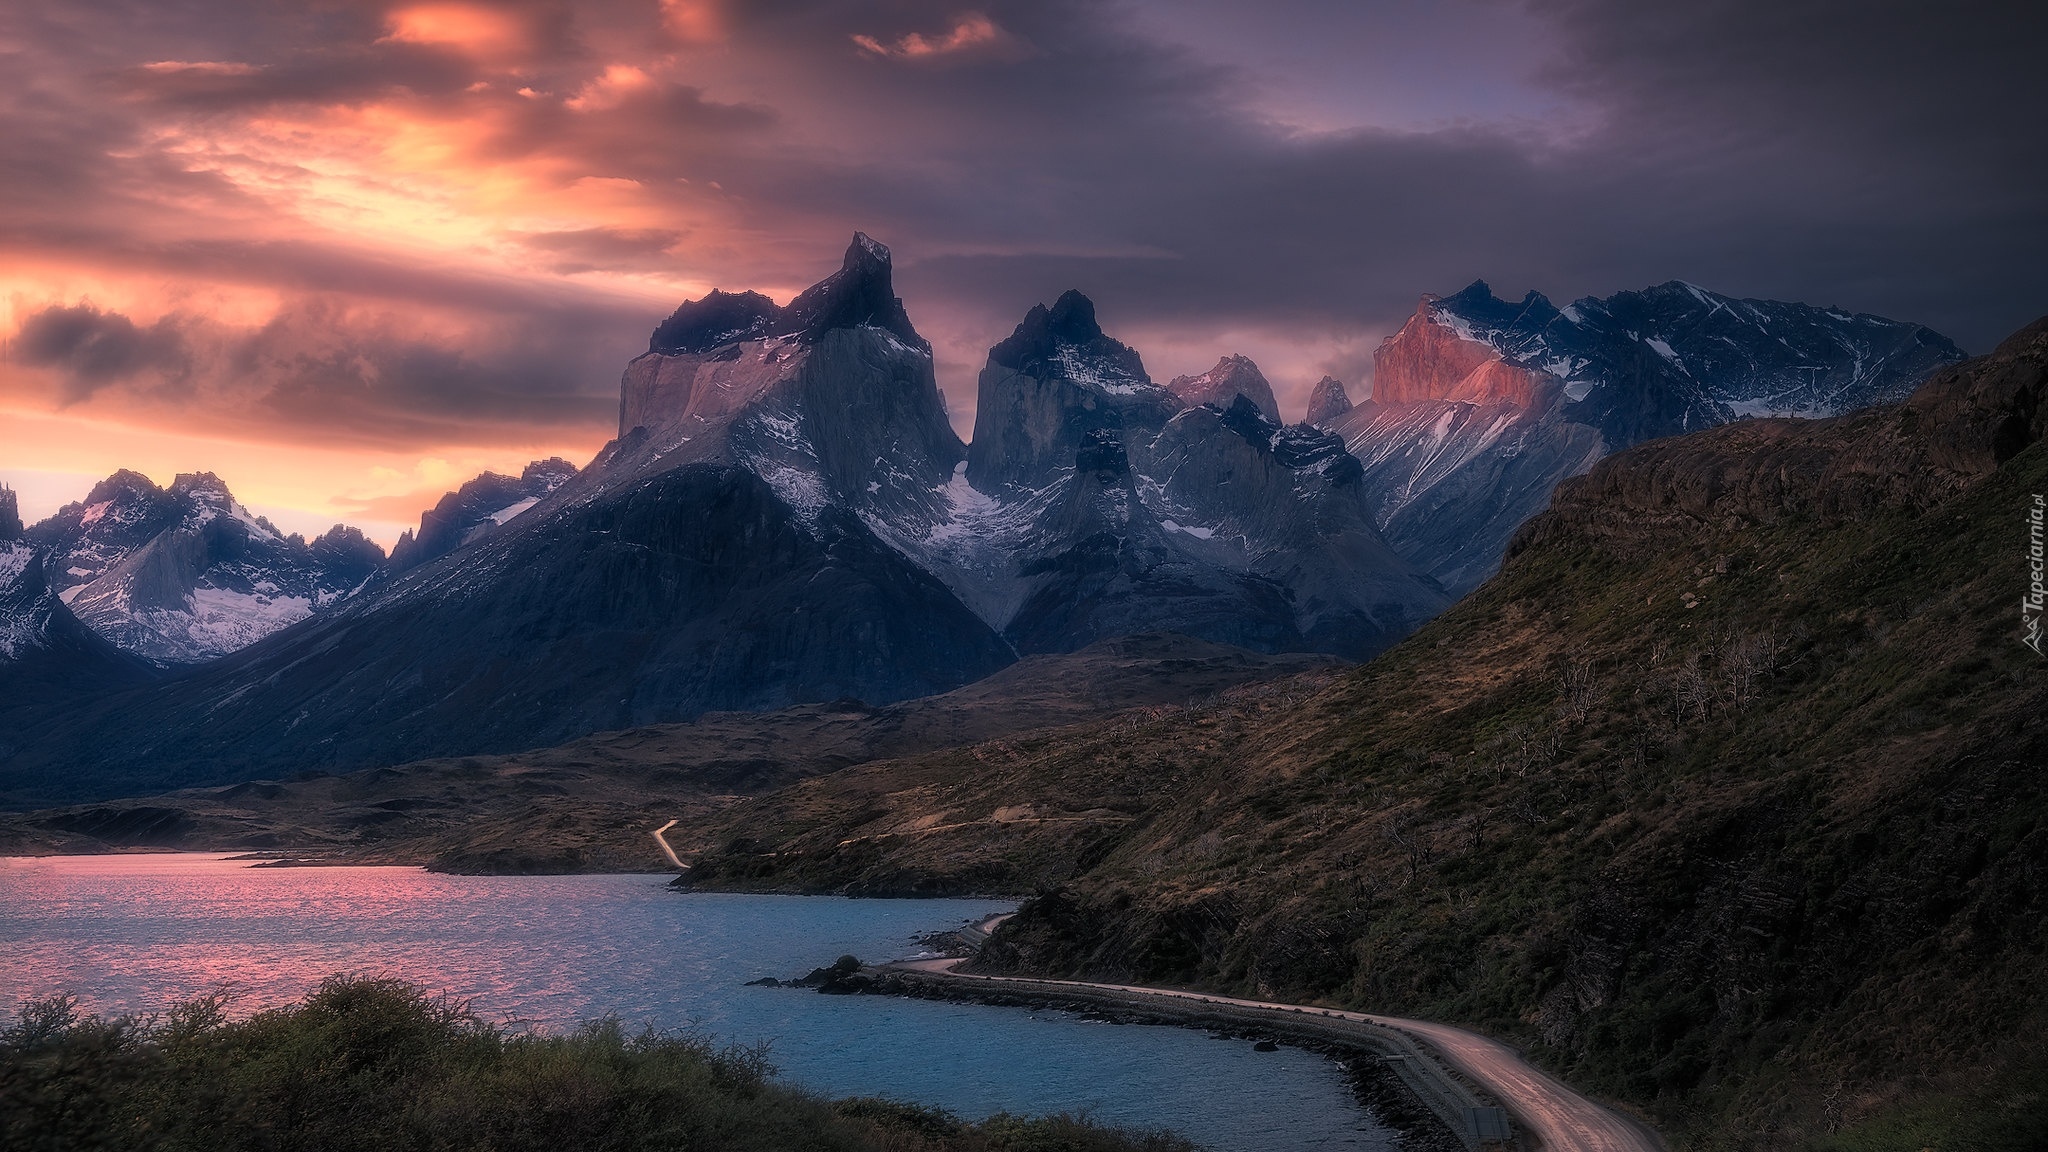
135, 933
138, 933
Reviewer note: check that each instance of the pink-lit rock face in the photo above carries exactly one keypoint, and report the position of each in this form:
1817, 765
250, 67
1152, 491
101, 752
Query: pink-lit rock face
661, 391
1233, 376
1424, 360
1499, 382
1430, 360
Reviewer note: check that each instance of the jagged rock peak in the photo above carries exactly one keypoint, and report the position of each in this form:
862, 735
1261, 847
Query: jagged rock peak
1072, 318
721, 317
202, 487
488, 501
1327, 401
1244, 418
1295, 446
346, 555
122, 483
10, 514
1233, 376
1476, 290
1067, 341
551, 471
861, 293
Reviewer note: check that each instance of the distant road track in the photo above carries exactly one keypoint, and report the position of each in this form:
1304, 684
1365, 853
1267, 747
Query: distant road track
665, 849
1542, 1106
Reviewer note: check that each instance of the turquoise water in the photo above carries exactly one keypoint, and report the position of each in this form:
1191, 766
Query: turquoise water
136, 933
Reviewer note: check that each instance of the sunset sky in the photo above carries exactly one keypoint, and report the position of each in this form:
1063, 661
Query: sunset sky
346, 255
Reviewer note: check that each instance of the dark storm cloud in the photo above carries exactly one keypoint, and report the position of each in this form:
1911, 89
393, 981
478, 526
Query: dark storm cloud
1880, 157
1877, 153
344, 74
379, 383
1758, 148
91, 348
319, 371
591, 249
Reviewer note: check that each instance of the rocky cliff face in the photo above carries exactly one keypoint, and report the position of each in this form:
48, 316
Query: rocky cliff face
1430, 358
477, 508
1233, 376
1481, 406
185, 574
1054, 382
832, 400
1096, 503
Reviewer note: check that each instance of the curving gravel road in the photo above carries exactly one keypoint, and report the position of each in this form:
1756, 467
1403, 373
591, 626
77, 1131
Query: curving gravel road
1542, 1106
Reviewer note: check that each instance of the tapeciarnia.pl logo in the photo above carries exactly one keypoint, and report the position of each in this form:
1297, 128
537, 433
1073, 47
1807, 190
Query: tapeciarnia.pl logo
2037, 570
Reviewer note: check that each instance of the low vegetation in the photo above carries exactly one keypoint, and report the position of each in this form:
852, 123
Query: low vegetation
381, 1066
1727, 799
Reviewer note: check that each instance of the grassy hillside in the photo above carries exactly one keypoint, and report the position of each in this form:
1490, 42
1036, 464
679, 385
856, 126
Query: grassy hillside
1726, 797
589, 805
377, 1065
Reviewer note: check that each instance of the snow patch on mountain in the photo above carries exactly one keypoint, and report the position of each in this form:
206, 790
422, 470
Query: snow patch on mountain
511, 510
1099, 374
15, 557
212, 621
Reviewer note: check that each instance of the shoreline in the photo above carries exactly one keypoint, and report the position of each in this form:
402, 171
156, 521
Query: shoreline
1447, 1072
1376, 1080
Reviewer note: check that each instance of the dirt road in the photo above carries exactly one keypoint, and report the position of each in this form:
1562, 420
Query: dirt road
1559, 1118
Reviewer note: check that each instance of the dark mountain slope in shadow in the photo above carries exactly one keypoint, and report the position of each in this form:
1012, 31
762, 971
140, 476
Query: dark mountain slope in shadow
590, 804
695, 591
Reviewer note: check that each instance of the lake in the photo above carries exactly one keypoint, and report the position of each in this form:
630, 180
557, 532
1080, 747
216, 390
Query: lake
137, 933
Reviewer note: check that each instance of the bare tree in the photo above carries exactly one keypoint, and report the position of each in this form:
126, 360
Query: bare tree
1747, 660
1692, 695
1415, 843
1576, 691
1475, 824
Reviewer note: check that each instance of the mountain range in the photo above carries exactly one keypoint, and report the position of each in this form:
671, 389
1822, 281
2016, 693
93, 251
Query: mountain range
477, 508
787, 516
1479, 407
185, 574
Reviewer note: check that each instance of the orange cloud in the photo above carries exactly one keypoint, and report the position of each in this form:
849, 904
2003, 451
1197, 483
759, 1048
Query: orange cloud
618, 82
472, 29
972, 30
202, 67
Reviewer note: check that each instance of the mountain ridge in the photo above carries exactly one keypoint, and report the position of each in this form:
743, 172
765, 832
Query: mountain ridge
1481, 406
